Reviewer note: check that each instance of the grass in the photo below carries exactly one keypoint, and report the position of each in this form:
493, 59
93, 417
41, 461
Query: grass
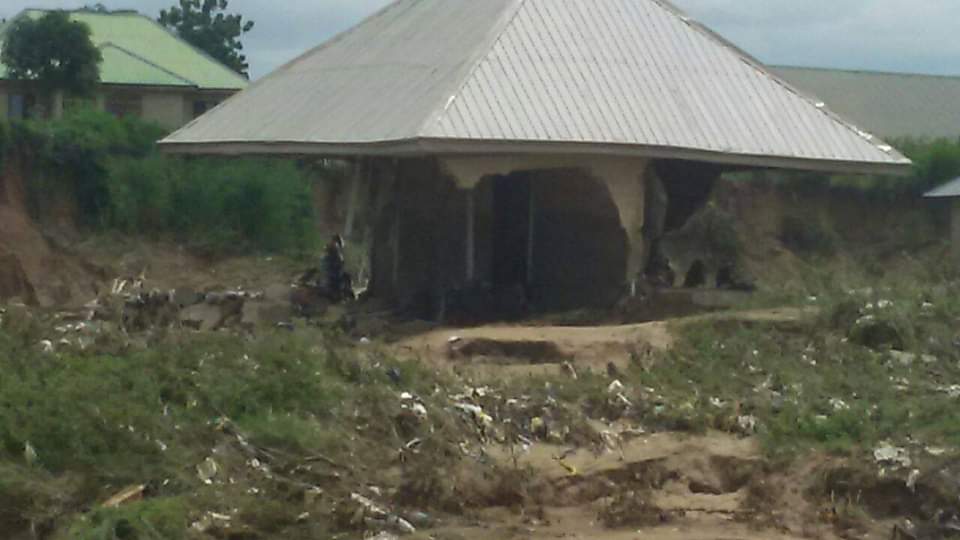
107, 175
811, 384
102, 421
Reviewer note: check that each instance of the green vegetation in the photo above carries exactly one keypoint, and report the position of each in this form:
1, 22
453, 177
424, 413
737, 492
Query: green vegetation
935, 161
110, 174
53, 51
101, 420
205, 25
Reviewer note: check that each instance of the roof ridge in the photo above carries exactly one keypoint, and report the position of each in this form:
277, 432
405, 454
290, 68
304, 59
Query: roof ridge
868, 71
148, 62
765, 71
489, 43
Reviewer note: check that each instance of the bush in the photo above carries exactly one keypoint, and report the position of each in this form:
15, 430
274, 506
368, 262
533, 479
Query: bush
806, 235
221, 205
110, 172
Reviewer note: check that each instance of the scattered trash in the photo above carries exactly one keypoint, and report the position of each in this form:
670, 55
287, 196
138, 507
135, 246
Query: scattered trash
207, 471
747, 423
211, 521
311, 495
128, 495
615, 387
374, 515
419, 519
29, 453
912, 479
892, 456
394, 375
839, 404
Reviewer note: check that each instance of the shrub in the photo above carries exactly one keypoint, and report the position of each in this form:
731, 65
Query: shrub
216, 204
807, 235
110, 171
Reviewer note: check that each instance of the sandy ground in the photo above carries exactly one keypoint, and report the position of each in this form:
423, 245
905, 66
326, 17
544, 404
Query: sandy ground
583, 347
703, 486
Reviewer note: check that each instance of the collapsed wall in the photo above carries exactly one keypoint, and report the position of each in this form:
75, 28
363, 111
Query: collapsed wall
512, 234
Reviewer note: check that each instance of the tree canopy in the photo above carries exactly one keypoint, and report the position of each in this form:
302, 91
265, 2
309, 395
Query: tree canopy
53, 50
206, 25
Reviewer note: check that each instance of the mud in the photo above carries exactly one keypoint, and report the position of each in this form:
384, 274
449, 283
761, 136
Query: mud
661, 486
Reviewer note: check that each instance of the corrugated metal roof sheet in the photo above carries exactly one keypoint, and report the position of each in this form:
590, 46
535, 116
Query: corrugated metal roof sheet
633, 77
137, 50
123, 67
888, 104
950, 189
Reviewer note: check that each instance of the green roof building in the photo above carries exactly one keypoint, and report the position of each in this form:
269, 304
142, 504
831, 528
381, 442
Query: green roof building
147, 72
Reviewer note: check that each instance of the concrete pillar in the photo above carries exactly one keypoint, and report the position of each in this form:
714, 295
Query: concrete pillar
395, 242
470, 245
358, 185
531, 234
626, 183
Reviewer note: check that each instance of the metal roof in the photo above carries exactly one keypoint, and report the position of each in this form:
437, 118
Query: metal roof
137, 50
888, 104
950, 189
623, 77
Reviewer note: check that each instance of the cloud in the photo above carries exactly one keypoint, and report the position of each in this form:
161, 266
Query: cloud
893, 35
888, 35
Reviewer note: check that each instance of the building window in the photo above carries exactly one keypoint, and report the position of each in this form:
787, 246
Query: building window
23, 106
124, 105
16, 107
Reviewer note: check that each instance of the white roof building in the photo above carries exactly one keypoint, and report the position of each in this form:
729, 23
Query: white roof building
631, 78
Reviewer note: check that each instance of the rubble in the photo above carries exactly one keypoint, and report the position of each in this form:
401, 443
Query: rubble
889, 455
207, 470
131, 494
374, 516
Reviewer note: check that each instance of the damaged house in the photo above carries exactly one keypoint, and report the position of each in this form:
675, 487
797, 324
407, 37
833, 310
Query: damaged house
534, 149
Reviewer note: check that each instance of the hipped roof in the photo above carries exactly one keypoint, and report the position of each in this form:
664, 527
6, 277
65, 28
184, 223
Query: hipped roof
888, 104
949, 190
138, 51
620, 77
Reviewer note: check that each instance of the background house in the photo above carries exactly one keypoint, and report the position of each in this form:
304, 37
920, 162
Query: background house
893, 105
146, 72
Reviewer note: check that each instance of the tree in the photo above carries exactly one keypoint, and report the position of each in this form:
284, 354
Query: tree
54, 51
205, 25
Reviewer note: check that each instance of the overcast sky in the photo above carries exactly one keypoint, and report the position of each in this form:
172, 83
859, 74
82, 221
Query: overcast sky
888, 35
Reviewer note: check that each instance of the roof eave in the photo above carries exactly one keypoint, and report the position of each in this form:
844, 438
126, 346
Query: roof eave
422, 147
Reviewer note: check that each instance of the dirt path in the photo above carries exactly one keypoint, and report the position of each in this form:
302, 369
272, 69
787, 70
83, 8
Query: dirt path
513, 350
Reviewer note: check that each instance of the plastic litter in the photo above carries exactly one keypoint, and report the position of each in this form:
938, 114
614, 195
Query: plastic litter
912, 479
892, 456
207, 471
